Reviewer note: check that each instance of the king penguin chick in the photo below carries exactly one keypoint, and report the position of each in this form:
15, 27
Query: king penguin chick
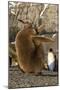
29, 49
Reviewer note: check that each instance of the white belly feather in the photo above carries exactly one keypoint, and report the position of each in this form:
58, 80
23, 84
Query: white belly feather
51, 60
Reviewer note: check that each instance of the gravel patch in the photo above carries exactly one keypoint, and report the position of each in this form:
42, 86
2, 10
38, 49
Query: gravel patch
18, 79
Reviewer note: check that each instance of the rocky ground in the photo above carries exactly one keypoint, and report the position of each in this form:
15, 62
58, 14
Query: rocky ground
18, 79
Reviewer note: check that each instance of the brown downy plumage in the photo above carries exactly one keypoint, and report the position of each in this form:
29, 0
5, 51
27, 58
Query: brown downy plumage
29, 50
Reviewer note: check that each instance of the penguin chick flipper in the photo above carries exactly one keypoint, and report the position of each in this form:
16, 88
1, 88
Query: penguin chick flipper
39, 39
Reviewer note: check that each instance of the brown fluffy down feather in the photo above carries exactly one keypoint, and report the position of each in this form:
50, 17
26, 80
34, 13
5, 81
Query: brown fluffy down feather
29, 49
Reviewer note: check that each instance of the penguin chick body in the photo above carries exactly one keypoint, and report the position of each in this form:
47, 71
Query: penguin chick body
30, 55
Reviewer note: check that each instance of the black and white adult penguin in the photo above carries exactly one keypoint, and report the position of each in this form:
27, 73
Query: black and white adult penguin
51, 59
